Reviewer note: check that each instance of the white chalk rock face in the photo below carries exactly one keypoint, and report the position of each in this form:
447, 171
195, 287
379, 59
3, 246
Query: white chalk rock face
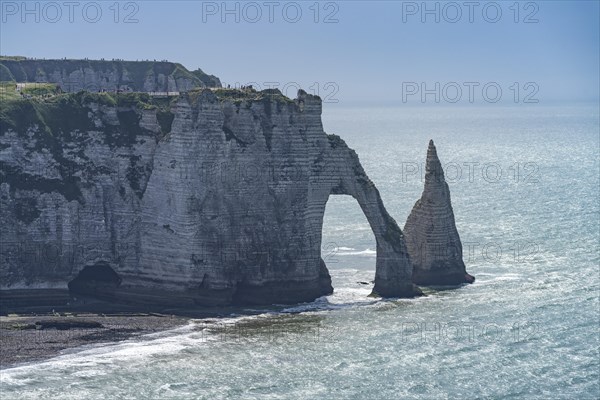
212, 198
107, 75
430, 232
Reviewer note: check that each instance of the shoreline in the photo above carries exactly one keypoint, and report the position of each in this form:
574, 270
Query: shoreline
30, 338
30, 334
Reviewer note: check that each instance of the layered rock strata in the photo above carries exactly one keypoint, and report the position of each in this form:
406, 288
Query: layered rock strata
213, 197
105, 75
430, 231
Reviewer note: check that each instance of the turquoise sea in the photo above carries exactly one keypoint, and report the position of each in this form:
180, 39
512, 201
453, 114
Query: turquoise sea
525, 190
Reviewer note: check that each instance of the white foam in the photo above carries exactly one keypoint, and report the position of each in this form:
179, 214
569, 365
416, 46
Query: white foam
353, 252
88, 373
482, 279
90, 360
144, 346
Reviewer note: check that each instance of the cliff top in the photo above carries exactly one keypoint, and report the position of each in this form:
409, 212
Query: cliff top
18, 112
48, 93
21, 69
115, 81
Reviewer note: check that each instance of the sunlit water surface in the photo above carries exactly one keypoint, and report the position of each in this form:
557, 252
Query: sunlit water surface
524, 185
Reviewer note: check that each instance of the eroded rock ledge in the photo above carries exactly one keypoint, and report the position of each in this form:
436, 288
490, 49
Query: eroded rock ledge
208, 198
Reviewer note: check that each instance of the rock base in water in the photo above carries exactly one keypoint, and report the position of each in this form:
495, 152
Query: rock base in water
430, 232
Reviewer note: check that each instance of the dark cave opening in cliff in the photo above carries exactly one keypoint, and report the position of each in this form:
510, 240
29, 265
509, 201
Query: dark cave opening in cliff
98, 280
348, 244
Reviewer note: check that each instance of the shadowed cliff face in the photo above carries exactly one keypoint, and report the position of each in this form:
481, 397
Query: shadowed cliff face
211, 198
431, 237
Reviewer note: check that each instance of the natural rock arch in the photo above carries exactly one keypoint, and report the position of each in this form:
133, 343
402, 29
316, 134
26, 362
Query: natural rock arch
177, 214
393, 270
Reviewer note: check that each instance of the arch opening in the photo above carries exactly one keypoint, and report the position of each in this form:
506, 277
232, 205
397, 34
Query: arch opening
348, 244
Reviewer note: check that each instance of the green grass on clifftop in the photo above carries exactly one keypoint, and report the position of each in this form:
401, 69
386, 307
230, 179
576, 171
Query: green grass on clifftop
238, 95
67, 112
8, 92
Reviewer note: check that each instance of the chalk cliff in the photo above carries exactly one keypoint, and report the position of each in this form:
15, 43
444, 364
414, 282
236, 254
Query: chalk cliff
430, 231
97, 75
211, 197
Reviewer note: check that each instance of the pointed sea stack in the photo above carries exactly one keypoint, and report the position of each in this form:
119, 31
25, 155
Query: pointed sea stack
430, 232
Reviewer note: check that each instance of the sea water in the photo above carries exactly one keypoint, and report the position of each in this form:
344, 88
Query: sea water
525, 191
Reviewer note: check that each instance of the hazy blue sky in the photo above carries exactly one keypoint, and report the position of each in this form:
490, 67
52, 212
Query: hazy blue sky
372, 51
